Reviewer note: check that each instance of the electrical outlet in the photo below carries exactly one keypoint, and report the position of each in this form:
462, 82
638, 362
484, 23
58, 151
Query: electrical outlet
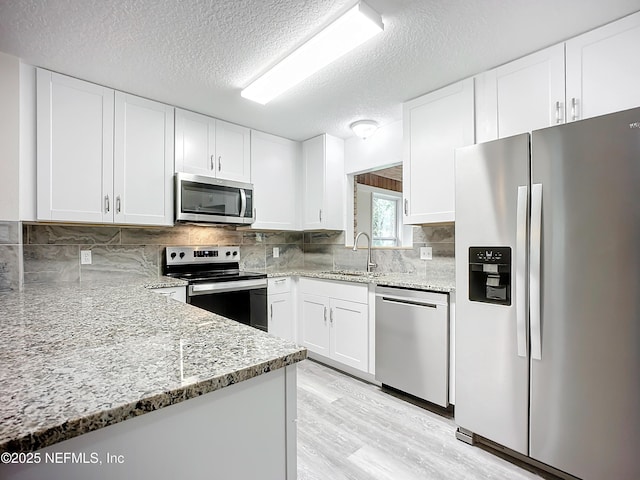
85, 257
276, 252
425, 253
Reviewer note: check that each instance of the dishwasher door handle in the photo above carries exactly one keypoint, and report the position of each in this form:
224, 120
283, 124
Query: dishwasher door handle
405, 301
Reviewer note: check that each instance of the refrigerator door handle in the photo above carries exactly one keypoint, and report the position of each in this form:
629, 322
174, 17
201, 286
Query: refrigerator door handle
534, 270
521, 270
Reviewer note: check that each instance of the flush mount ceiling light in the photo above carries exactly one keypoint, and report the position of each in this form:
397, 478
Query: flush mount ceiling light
364, 128
350, 30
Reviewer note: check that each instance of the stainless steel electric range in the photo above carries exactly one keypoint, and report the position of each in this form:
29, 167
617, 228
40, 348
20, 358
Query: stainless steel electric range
216, 283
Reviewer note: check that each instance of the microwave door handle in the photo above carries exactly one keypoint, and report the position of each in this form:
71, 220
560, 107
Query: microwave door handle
243, 202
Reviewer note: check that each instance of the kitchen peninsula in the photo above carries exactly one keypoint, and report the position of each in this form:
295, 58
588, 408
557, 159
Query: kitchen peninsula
106, 371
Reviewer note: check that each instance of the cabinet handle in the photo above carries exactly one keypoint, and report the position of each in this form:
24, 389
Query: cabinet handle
558, 112
320, 214
574, 108
406, 206
220, 163
271, 311
325, 315
331, 316
213, 167
118, 204
281, 280
107, 207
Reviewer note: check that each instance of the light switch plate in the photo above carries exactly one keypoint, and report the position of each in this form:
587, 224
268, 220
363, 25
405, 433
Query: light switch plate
85, 257
276, 252
426, 253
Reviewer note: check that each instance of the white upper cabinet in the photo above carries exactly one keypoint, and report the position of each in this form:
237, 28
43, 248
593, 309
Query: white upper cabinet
195, 143
323, 183
521, 96
206, 146
143, 173
275, 164
434, 126
603, 70
74, 150
97, 167
233, 152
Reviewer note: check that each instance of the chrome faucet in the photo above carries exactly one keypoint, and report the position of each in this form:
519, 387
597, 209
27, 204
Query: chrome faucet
370, 264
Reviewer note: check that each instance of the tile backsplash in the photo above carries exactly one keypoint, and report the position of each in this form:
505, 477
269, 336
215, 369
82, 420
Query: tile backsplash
52, 252
10, 251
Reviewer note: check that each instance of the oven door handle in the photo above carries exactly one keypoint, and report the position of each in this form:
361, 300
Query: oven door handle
220, 287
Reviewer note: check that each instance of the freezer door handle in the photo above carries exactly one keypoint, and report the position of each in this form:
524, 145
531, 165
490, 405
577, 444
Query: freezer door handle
534, 270
521, 270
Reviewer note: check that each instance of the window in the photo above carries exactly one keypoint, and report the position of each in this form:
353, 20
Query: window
384, 220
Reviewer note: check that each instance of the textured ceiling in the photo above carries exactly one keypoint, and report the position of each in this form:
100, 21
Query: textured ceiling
199, 54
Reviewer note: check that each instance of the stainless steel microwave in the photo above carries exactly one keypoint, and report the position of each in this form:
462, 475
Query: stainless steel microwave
202, 199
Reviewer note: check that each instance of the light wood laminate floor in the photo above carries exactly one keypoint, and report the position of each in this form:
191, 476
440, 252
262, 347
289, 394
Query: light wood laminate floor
349, 429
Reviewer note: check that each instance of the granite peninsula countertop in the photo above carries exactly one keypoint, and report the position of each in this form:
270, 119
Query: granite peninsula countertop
443, 282
76, 358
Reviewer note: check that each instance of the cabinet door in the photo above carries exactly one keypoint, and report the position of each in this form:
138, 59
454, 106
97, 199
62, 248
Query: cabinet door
323, 183
74, 150
314, 327
143, 173
434, 125
233, 154
603, 70
349, 333
275, 163
313, 152
521, 96
281, 319
195, 143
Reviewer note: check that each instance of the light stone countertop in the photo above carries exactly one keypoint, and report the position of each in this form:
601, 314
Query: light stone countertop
78, 357
434, 281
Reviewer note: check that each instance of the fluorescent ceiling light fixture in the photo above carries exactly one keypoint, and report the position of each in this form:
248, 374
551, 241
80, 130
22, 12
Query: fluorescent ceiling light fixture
364, 128
353, 28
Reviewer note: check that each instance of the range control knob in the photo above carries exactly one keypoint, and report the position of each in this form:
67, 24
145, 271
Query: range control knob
235, 253
173, 254
228, 253
181, 254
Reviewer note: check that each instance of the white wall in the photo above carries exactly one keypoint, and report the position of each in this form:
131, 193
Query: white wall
27, 207
381, 150
9, 137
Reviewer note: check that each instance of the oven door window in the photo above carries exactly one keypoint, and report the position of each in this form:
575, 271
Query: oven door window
201, 198
244, 306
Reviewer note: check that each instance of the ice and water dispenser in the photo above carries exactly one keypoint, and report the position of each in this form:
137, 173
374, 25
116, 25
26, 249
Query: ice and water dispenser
490, 275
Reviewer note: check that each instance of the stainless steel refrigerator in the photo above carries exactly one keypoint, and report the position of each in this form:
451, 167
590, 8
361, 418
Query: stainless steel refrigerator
548, 295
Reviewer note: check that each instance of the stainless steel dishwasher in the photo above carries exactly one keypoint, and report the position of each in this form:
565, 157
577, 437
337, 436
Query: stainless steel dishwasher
412, 342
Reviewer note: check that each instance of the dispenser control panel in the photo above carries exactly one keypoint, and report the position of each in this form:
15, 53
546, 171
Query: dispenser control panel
490, 275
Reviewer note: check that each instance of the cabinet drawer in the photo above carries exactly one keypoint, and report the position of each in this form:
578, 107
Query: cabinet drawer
279, 285
351, 292
177, 293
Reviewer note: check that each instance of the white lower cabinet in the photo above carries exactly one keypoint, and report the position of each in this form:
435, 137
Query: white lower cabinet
334, 321
281, 311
